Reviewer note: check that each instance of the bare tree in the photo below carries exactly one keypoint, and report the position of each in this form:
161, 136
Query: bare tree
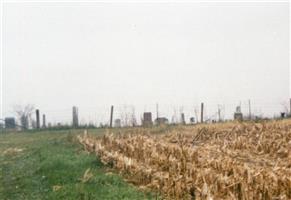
174, 116
182, 119
196, 111
133, 118
33, 123
24, 114
125, 116
285, 108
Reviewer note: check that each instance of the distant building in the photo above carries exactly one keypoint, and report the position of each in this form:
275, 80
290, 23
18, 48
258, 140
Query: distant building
161, 120
1, 125
147, 119
192, 120
238, 114
117, 123
10, 123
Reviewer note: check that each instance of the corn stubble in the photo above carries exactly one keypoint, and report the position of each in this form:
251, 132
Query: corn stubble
224, 161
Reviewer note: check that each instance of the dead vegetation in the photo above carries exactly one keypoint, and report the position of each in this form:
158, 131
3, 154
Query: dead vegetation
11, 151
225, 161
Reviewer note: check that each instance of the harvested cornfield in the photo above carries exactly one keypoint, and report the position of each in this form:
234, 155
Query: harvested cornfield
223, 161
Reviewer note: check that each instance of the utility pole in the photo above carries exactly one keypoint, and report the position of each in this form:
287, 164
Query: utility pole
43, 121
75, 117
111, 116
183, 119
219, 118
202, 107
250, 113
37, 119
157, 109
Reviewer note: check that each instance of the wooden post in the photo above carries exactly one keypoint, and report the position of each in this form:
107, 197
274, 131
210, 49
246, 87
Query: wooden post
202, 107
111, 116
37, 119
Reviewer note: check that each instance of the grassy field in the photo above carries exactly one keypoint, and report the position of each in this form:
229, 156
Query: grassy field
52, 165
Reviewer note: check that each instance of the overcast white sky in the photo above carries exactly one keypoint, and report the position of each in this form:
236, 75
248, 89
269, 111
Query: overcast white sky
56, 55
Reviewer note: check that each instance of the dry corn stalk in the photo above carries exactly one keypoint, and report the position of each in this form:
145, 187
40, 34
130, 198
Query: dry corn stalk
226, 161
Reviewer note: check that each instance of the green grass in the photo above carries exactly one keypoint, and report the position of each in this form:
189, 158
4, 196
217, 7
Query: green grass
53, 159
